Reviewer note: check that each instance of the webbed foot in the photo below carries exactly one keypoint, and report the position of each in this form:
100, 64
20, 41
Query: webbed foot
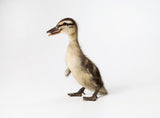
93, 98
78, 94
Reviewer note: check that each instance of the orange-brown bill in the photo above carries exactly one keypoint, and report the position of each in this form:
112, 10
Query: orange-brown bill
53, 31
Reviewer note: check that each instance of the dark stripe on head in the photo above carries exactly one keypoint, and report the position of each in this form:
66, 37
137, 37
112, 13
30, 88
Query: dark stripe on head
69, 19
65, 24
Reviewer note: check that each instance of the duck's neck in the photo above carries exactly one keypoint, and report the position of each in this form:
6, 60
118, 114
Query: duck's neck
73, 37
74, 41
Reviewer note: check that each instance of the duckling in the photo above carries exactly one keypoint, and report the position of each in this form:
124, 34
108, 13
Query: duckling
83, 69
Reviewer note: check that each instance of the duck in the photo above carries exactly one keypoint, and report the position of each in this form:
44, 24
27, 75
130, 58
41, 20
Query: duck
82, 68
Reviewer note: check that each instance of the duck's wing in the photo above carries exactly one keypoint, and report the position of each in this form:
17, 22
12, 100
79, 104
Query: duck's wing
92, 69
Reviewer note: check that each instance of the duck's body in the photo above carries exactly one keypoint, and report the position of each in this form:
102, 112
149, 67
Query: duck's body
75, 62
82, 68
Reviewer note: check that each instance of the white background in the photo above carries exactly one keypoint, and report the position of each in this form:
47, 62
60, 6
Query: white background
121, 36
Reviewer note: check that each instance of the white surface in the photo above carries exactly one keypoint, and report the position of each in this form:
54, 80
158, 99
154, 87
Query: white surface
122, 37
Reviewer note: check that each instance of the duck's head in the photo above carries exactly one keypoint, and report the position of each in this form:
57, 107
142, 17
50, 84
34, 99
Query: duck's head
66, 25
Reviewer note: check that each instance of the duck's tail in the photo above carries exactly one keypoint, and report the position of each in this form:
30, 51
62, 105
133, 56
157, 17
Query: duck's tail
103, 91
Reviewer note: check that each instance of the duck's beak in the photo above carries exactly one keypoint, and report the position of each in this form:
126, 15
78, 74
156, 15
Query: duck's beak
53, 31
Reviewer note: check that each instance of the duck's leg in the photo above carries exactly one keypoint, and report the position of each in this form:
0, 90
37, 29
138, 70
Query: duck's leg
79, 93
94, 96
67, 72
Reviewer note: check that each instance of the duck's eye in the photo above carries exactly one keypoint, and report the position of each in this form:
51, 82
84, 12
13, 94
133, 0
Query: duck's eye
64, 24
